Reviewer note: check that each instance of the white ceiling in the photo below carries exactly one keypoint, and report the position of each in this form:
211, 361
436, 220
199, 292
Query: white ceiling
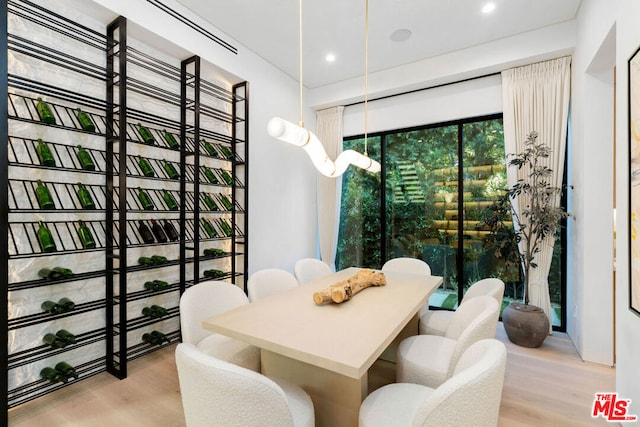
270, 29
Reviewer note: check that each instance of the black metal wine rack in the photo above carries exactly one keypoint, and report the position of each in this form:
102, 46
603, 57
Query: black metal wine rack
115, 146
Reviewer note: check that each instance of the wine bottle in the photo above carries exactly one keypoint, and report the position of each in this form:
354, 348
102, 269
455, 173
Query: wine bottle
85, 121
169, 200
66, 304
211, 232
45, 113
226, 202
160, 311
161, 284
143, 260
146, 135
149, 312
213, 252
210, 203
51, 307
226, 228
44, 154
226, 152
53, 341
86, 162
159, 259
51, 374
86, 238
86, 201
213, 274
154, 338
210, 149
145, 200
227, 178
145, 233
172, 234
44, 196
151, 286
67, 371
210, 175
54, 273
160, 336
158, 232
145, 167
45, 238
172, 173
170, 140
66, 337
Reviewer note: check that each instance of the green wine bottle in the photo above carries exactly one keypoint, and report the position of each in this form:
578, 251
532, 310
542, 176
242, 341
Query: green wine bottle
160, 336
86, 238
213, 274
226, 152
161, 284
171, 140
149, 312
226, 177
151, 286
226, 228
44, 196
145, 200
51, 307
158, 232
145, 233
54, 273
226, 202
172, 234
51, 374
45, 113
210, 176
160, 311
66, 304
45, 238
172, 173
146, 135
53, 341
85, 121
211, 232
143, 260
159, 259
86, 201
66, 337
145, 167
86, 162
210, 149
210, 203
213, 252
66, 370
44, 154
172, 205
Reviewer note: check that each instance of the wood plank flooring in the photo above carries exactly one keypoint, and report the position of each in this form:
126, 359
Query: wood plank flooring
548, 386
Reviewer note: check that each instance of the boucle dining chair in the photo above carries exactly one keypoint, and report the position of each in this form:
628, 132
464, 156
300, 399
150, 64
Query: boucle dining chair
407, 265
308, 269
269, 281
218, 393
430, 359
435, 322
206, 299
471, 397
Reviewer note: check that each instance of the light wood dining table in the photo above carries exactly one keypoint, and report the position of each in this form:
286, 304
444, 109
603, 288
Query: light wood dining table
328, 349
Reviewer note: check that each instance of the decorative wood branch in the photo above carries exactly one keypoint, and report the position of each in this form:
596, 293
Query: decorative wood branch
345, 290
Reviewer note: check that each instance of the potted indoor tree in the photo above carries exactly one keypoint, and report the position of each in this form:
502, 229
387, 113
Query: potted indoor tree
527, 325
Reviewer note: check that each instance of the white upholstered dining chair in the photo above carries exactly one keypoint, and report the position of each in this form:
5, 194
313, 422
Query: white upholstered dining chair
206, 299
218, 393
471, 397
269, 281
430, 359
308, 269
407, 265
435, 322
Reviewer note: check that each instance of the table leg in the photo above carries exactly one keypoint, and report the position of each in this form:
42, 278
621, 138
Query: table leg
336, 397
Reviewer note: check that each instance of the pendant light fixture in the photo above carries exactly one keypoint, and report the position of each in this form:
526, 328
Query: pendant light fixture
301, 137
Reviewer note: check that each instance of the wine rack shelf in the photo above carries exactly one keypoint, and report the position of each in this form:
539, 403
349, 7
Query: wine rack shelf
108, 137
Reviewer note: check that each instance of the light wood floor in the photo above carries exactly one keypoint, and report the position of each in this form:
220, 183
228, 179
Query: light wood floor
548, 386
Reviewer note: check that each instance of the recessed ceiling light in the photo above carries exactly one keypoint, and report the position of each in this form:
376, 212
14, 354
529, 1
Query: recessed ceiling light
488, 8
330, 57
400, 35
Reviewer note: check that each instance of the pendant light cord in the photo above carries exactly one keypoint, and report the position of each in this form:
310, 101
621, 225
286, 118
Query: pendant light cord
366, 74
300, 57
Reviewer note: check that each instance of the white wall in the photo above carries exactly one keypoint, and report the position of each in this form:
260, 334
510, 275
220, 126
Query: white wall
282, 196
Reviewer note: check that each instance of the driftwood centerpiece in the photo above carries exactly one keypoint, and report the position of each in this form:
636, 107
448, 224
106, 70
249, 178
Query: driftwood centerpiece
345, 290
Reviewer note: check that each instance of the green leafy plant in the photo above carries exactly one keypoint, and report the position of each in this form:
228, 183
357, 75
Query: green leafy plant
537, 220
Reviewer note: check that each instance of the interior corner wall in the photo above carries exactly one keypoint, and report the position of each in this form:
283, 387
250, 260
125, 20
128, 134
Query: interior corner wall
282, 183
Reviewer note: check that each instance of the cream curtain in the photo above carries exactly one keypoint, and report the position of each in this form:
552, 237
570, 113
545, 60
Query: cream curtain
329, 130
536, 98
